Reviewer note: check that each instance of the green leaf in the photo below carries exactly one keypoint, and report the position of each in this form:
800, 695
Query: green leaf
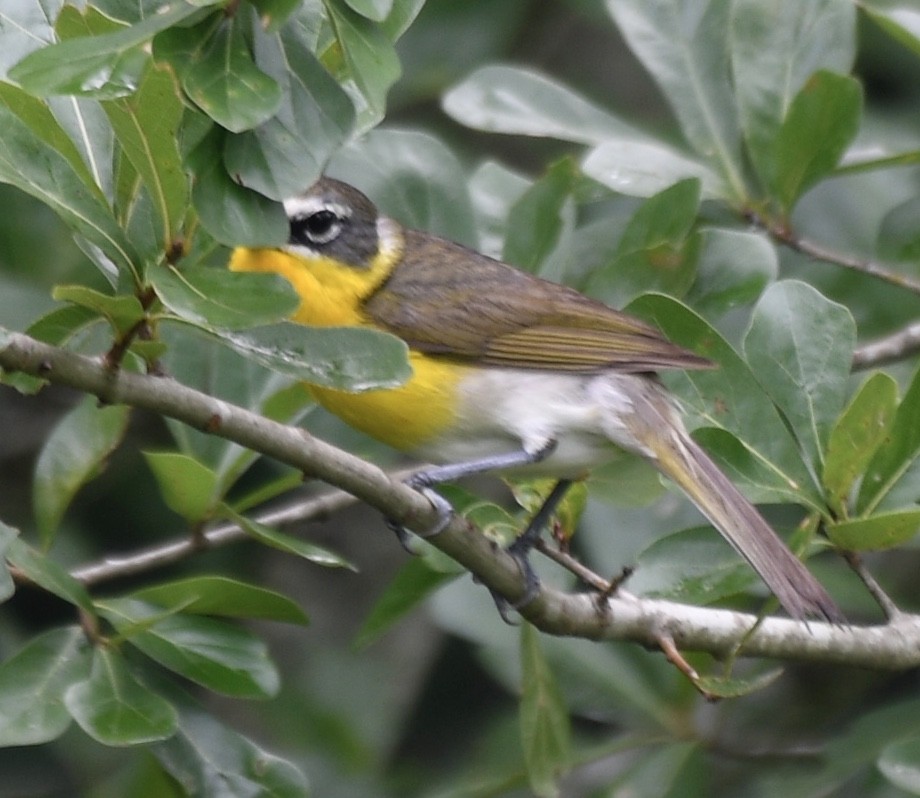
775, 48
545, 732
730, 398
115, 709
218, 595
686, 52
800, 345
894, 458
363, 56
210, 759
189, 487
537, 221
863, 426
822, 122
733, 269
37, 168
656, 251
224, 82
898, 238
146, 126
48, 575
26, 27
670, 770
220, 372
8, 535
71, 457
32, 686
220, 298
901, 21
694, 566
288, 152
288, 543
899, 762
345, 358
377, 10
506, 99
494, 189
104, 66
641, 168
42, 122
414, 177
413, 583
883, 530
735, 687
232, 214
274, 13
121, 311
224, 658
531, 494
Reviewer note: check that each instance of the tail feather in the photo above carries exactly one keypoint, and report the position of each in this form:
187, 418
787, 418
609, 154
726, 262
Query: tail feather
683, 461
656, 431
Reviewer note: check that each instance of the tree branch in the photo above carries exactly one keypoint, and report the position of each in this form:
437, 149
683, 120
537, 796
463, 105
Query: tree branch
894, 645
784, 234
897, 346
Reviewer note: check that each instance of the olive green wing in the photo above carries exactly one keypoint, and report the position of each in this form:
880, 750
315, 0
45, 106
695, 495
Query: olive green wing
448, 300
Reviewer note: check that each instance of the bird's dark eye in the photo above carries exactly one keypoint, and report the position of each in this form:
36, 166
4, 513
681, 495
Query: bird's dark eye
319, 227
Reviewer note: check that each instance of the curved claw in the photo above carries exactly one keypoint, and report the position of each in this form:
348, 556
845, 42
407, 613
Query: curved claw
445, 513
519, 550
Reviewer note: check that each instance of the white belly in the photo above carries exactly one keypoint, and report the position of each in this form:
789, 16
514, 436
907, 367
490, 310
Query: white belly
505, 410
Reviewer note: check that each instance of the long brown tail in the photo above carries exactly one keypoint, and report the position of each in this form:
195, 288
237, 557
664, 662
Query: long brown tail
661, 434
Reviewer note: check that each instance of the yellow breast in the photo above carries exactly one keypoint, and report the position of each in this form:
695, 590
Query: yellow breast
406, 417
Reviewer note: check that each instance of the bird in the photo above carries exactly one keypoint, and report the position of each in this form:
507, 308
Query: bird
511, 373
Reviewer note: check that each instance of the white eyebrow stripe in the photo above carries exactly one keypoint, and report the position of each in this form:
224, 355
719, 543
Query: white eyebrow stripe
299, 207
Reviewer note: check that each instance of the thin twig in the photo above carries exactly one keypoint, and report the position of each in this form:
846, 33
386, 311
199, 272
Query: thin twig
897, 346
784, 234
171, 551
891, 610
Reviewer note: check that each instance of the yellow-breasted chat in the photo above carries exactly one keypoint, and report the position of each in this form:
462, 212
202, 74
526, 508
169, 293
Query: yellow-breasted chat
510, 372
